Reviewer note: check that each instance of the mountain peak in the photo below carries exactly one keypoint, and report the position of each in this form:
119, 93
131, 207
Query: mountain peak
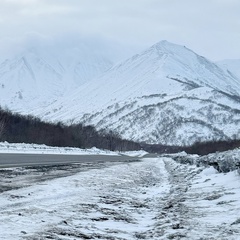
164, 43
165, 46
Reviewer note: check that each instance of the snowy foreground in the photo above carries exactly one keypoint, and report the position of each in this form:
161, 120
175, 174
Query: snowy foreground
151, 198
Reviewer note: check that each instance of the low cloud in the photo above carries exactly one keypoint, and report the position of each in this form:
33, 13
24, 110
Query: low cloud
207, 27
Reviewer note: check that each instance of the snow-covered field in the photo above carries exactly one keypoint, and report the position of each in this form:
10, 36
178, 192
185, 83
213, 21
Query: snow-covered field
6, 147
152, 198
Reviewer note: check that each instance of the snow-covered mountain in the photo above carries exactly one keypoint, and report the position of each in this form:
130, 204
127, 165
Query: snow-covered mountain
167, 94
32, 80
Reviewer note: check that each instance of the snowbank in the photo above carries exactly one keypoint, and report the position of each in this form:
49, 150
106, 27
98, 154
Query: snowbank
31, 148
222, 161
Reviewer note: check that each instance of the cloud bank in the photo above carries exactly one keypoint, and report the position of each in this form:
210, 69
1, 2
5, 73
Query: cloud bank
210, 28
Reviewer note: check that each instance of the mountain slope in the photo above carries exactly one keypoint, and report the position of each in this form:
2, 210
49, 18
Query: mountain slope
167, 94
198, 115
232, 65
33, 80
164, 68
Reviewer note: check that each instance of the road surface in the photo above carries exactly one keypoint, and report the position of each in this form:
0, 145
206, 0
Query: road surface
20, 160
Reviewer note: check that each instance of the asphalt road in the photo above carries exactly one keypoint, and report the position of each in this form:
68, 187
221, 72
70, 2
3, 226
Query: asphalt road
19, 160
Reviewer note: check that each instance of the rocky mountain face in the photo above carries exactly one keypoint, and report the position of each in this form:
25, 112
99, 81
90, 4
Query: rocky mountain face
167, 94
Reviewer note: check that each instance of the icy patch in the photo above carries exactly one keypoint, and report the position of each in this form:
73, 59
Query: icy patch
140, 153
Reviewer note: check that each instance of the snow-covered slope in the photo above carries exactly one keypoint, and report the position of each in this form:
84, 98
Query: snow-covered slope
197, 115
165, 68
167, 94
34, 79
232, 65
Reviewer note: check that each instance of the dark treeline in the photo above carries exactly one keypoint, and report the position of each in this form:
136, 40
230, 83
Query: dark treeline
201, 148
16, 128
158, 148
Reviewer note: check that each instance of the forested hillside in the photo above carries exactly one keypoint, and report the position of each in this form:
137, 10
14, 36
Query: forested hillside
28, 129
200, 148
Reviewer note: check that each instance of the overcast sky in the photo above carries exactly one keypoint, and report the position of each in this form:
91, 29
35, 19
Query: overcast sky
209, 27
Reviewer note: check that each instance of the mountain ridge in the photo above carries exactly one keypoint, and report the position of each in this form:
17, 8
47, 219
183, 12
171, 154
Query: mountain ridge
138, 76
42, 81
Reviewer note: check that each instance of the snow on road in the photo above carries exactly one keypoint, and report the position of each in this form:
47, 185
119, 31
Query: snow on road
155, 198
